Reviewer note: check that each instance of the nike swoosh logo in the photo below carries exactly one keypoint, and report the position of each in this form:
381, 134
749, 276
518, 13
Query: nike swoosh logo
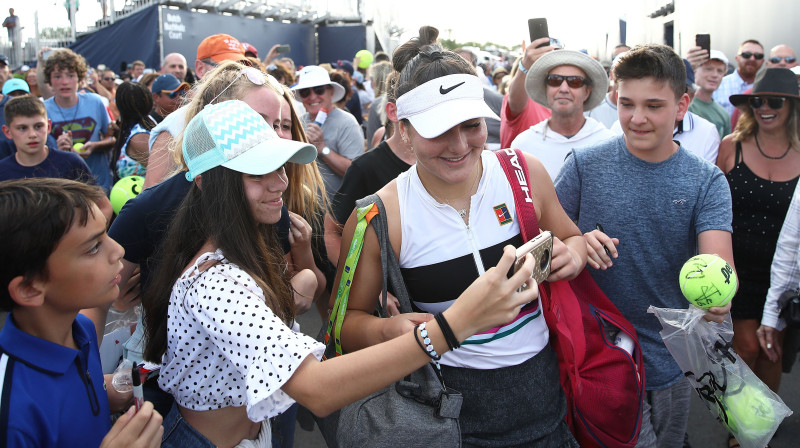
444, 91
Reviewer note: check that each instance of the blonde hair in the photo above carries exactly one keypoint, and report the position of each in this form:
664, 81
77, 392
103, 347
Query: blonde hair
747, 126
306, 194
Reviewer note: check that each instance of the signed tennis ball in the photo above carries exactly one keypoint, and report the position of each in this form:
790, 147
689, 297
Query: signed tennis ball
749, 412
78, 147
125, 188
708, 280
364, 58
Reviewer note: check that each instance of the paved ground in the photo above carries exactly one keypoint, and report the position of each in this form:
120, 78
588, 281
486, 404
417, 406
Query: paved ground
704, 430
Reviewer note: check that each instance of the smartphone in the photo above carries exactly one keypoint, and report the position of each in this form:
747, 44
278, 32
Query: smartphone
47, 54
541, 248
703, 41
284, 48
538, 29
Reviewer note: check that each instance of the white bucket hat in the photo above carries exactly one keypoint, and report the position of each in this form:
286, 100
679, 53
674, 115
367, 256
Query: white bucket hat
535, 81
441, 103
313, 76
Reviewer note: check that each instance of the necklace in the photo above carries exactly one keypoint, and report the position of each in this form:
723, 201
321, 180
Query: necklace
771, 157
462, 212
61, 112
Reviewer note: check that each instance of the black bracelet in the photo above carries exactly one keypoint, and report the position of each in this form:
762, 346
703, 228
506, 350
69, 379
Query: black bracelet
449, 336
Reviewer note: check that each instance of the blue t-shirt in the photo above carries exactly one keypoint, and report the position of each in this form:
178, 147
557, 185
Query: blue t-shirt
61, 164
52, 395
656, 210
88, 120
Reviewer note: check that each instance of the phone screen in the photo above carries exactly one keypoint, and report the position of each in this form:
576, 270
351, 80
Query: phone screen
284, 48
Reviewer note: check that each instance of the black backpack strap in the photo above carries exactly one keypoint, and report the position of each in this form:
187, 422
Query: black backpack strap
390, 264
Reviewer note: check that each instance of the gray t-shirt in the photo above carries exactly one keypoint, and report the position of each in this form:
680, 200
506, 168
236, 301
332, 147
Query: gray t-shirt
343, 136
656, 210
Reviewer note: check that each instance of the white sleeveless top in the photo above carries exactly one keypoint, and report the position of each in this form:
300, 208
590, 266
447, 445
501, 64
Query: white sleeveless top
440, 257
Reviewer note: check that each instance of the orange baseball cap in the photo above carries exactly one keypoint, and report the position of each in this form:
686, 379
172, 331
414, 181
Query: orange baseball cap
221, 47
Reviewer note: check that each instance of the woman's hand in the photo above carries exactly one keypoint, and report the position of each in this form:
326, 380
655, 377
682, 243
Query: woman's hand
563, 265
768, 341
600, 249
300, 232
493, 299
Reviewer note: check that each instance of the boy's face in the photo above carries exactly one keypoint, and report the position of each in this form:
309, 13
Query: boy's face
64, 83
647, 113
28, 133
84, 269
709, 75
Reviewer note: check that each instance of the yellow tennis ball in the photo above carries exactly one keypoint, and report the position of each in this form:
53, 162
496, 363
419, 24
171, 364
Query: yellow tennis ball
708, 280
749, 412
78, 147
364, 58
125, 188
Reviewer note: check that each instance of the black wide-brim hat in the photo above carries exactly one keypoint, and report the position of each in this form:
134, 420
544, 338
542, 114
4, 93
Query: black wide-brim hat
775, 82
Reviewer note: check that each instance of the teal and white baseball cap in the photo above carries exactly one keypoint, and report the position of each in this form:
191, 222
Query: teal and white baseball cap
233, 135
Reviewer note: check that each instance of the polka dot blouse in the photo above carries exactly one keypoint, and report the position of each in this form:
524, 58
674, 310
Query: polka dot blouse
225, 346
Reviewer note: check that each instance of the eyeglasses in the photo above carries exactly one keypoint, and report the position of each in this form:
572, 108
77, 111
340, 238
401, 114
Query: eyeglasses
774, 102
748, 55
108, 78
255, 76
318, 90
572, 81
788, 59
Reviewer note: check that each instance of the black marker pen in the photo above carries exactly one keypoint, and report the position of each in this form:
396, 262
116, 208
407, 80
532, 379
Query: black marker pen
600, 228
138, 394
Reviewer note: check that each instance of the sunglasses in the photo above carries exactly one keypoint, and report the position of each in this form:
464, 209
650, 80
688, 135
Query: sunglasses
173, 95
572, 81
318, 90
748, 55
254, 75
777, 59
108, 79
774, 102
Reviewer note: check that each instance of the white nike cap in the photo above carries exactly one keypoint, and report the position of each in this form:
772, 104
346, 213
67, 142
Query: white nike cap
441, 103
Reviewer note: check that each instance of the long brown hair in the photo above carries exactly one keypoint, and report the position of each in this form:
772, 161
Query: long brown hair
219, 212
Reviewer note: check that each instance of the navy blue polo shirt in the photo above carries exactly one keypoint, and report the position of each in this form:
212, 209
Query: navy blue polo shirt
51, 395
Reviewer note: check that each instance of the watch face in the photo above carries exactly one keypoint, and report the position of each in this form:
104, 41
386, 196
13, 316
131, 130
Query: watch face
326, 151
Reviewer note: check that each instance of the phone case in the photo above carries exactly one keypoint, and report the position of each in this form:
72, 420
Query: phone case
537, 28
541, 248
703, 41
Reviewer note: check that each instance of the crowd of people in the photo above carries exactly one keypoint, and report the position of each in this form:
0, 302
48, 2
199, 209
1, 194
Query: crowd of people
251, 171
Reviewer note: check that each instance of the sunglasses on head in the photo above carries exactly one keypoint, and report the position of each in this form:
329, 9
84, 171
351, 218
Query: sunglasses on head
253, 74
572, 81
318, 90
774, 102
748, 55
777, 59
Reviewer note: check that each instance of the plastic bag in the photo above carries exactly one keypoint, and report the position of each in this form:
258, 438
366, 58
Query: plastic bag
729, 389
122, 380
